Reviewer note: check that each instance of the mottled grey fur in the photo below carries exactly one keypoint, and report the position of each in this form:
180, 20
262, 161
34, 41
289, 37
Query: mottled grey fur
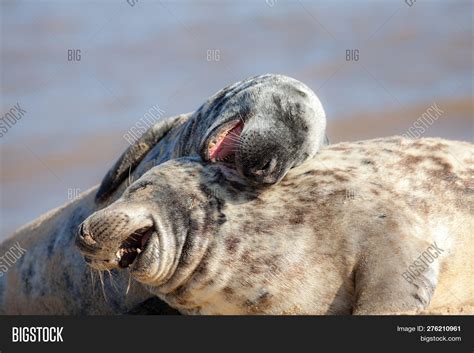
52, 277
284, 124
334, 237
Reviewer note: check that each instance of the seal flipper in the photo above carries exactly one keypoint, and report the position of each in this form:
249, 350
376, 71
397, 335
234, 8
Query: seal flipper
382, 288
133, 155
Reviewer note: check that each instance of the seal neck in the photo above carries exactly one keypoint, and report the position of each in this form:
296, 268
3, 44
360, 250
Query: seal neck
190, 138
199, 224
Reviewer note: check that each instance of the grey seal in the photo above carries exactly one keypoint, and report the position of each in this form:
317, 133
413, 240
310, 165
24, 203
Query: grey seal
263, 126
346, 232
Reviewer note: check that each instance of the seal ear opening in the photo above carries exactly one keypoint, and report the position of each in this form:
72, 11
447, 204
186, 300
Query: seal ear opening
134, 154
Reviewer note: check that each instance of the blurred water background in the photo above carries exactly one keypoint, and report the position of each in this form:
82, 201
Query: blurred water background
175, 54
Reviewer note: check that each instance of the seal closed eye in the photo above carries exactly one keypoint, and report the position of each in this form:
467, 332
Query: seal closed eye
262, 127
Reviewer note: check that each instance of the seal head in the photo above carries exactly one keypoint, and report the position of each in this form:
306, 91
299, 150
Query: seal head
264, 126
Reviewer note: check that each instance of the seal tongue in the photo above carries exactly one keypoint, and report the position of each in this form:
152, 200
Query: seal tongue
226, 143
144, 239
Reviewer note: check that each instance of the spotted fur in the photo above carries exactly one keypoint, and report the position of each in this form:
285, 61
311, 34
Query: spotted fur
52, 278
284, 124
334, 237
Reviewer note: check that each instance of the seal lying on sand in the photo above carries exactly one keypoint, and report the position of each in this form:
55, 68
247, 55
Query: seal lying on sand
262, 126
52, 278
341, 234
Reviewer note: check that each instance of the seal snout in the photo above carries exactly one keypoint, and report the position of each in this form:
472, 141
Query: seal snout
115, 237
262, 158
85, 237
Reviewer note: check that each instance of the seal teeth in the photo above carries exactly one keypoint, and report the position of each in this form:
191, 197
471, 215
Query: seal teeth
120, 252
132, 246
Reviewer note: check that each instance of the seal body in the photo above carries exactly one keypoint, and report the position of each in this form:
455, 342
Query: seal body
342, 233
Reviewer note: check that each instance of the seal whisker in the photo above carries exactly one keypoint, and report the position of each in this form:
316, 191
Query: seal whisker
234, 139
233, 134
91, 272
240, 117
129, 283
231, 139
112, 281
130, 179
102, 284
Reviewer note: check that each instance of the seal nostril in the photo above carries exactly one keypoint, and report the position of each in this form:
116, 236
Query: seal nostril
81, 230
84, 236
267, 168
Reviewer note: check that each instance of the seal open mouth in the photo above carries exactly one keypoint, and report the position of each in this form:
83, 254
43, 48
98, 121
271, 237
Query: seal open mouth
134, 245
224, 144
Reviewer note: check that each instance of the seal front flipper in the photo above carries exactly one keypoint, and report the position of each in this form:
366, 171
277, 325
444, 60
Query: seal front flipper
386, 282
134, 154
